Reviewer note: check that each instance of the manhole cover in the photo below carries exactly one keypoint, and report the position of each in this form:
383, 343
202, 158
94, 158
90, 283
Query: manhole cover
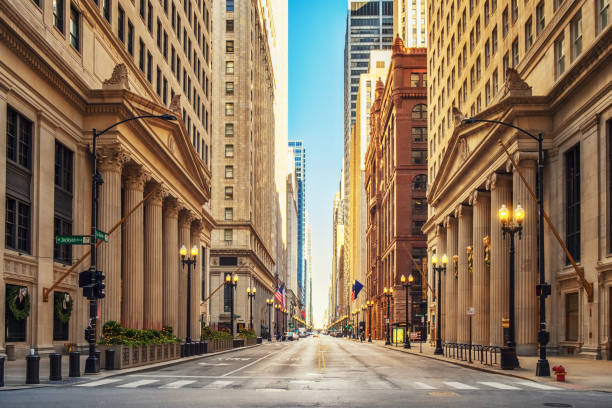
557, 404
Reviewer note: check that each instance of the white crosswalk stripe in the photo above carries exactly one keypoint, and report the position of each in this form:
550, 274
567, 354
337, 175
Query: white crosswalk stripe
500, 386
215, 385
537, 385
178, 384
422, 386
136, 384
459, 386
100, 382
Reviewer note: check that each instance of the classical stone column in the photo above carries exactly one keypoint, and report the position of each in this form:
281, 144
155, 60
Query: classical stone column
153, 261
133, 254
184, 223
450, 303
481, 204
196, 281
441, 251
170, 264
110, 162
501, 193
526, 272
464, 281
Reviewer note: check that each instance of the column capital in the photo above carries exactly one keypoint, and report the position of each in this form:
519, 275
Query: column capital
134, 177
171, 207
479, 195
111, 158
440, 230
157, 196
196, 227
496, 179
448, 220
185, 218
523, 159
462, 210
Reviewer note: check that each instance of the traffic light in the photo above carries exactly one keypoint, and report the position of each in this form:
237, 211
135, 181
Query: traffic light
85, 282
543, 290
99, 285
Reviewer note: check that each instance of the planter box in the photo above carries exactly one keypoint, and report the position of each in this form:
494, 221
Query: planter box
215, 345
239, 343
134, 356
259, 340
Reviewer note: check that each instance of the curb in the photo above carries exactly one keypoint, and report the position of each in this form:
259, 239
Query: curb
115, 373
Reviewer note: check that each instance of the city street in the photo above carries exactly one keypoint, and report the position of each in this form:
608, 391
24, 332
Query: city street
321, 371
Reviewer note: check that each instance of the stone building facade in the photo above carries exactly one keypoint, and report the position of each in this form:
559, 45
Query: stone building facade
395, 184
544, 67
71, 66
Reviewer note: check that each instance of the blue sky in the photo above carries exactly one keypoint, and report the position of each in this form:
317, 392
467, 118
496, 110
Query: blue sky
316, 103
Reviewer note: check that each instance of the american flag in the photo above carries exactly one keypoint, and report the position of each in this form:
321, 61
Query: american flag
280, 295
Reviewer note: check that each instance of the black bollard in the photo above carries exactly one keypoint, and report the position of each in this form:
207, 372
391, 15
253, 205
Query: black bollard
110, 359
194, 350
183, 350
55, 367
74, 366
1, 371
201, 347
33, 369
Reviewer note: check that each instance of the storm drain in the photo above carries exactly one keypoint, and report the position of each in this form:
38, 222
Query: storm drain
557, 405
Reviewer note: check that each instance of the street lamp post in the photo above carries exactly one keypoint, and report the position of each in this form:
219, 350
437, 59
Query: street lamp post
251, 295
543, 288
388, 293
189, 262
511, 227
92, 364
269, 303
407, 284
370, 305
276, 320
232, 284
439, 270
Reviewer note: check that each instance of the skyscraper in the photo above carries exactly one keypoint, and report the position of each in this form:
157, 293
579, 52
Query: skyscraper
410, 22
299, 162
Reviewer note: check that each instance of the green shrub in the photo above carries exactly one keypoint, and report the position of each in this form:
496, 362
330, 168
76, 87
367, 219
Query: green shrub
246, 334
115, 334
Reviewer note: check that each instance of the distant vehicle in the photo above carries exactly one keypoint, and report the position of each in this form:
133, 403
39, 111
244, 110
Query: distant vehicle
315, 335
292, 336
302, 331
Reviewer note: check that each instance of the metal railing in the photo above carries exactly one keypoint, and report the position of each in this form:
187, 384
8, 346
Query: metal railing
487, 355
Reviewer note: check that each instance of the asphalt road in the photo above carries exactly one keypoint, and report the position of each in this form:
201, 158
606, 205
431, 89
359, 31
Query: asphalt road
310, 372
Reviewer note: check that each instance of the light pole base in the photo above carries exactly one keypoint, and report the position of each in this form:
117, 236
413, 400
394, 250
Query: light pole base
92, 365
407, 346
370, 339
509, 360
387, 342
542, 368
438, 351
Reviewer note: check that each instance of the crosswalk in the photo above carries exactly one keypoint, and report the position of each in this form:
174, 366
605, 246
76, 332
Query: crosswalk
279, 383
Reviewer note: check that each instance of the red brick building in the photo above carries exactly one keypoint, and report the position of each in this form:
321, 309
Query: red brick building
395, 184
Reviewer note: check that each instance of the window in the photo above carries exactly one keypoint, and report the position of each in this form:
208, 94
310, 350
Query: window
478, 69
514, 10
17, 225
556, 4
106, 9
58, 14
487, 93
477, 30
229, 150
63, 201
505, 22
130, 38
540, 19
150, 17
571, 316
229, 88
416, 227
559, 56
419, 206
505, 64
528, 34
487, 53
120, 24
414, 80
419, 134
515, 53
229, 5
158, 82
143, 10
229, 192
149, 67
419, 111
486, 12
229, 26
75, 28
572, 201
61, 301
419, 157
229, 129
609, 130
494, 41
603, 16
576, 32
229, 109
228, 235
229, 46
229, 172
159, 34
229, 67
15, 329
494, 83
141, 62
228, 214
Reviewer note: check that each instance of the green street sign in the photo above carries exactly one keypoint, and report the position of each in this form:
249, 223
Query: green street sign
73, 240
101, 235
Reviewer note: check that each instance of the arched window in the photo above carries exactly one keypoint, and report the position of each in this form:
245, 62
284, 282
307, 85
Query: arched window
419, 182
419, 111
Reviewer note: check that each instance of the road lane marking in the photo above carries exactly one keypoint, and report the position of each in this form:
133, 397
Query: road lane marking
538, 385
178, 384
216, 385
136, 384
248, 365
214, 365
499, 385
99, 382
378, 385
459, 386
422, 386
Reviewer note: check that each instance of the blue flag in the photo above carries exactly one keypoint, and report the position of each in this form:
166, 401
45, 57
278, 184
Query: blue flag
357, 286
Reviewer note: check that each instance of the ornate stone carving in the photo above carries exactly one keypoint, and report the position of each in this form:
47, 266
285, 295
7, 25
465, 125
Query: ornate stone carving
464, 149
171, 207
157, 195
398, 46
175, 104
457, 116
496, 178
514, 84
185, 217
133, 177
111, 158
119, 78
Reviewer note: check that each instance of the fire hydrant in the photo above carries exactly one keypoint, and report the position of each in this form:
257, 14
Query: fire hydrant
560, 372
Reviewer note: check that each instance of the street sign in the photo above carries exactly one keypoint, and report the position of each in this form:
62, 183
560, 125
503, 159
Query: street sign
101, 235
470, 311
73, 240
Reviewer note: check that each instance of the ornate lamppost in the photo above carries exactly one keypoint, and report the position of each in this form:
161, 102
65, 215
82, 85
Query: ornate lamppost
269, 303
511, 227
407, 284
232, 285
370, 305
276, 320
439, 270
189, 262
388, 293
251, 295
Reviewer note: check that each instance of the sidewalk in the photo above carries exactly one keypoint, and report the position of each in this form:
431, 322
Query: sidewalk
15, 371
582, 374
